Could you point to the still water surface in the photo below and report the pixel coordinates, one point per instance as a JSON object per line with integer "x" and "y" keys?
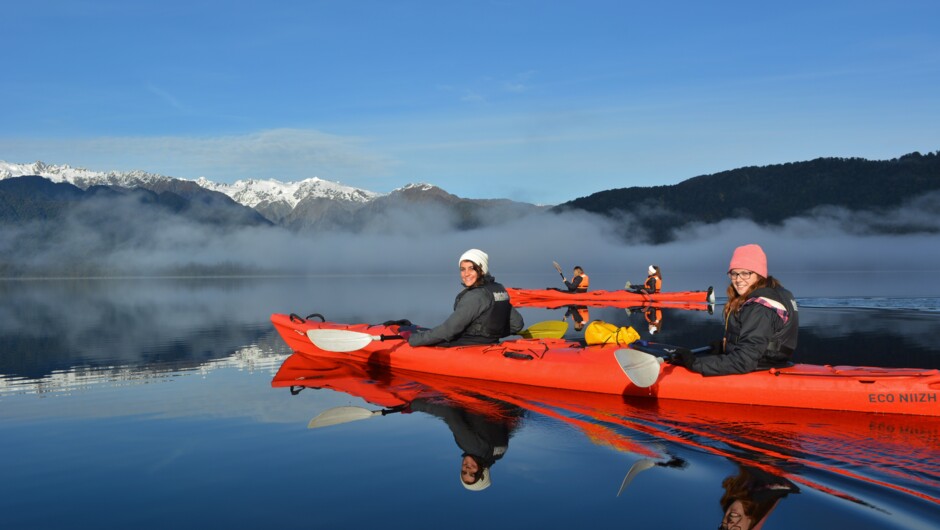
{"x": 159, "y": 403}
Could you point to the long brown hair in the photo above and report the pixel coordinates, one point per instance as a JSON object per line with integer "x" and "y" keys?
{"x": 735, "y": 300}
{"x": 740, "y": 488}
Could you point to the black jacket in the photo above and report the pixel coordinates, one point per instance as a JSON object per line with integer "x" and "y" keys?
{"x": 482, "y": 315}
{"x": 761, "y": 335}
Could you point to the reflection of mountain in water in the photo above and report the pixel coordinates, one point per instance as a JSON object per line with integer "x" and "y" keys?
{"x": 250, "y": 359}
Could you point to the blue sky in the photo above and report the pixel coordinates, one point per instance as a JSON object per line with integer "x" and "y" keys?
{"x": 536, "y": 101}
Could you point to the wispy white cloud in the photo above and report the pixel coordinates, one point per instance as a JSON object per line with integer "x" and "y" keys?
{"x": 165, "y": 96}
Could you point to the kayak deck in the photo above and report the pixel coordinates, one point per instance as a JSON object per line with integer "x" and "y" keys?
{"x": 559, "y": 363}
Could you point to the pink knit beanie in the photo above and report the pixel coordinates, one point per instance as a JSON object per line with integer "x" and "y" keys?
{"x": 751, "y": 258}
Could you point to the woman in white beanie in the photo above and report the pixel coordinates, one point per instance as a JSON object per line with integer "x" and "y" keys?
{"x": 653, "y": 283}
{"x": 482, "y": 311}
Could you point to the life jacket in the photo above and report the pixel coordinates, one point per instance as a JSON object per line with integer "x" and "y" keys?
{"x": 585, "y": 283}
{"x": 578, "y": 312}
{"x": 654, "y": 315}
{"x": 653, "y": 283}
{"x": 782, "y": 344}
{"x": 493, "y": 324}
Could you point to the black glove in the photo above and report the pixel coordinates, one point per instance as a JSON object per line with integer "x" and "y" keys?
{"x": 717, "y": 347}
{"x": 682, "y": 357}
{"x": 674, "y": 462}
{"x": 402, "y": 322}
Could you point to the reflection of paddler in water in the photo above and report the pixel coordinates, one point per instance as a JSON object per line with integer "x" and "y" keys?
{"x": 483, "y": 439}
{"x": 579, "y": 315}
{"x": 654, "y": 319}
{"x": 750, "y": 496}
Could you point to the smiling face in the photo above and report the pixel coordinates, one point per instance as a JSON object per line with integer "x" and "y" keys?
{"x": 742, "y": 280}
{"x": 468, "y": 273}
{"x": 468, "y": 470}
{"x": 734, "y": 518}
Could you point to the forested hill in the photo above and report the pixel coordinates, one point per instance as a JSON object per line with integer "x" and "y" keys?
{"x": 771, "y": 194}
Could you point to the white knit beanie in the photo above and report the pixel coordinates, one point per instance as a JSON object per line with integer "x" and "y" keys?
{"x": 652, "y": 269}
{"x": 477, "y": 256}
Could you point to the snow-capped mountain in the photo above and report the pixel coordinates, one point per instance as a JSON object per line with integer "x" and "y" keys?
{"x": 251, "y": 193}
{"x": 254, "y": 192}
{"x": 82, "y": 178}
{"x": 311, "y": 205}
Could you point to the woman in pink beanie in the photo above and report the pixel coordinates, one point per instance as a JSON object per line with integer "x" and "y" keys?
{"x": 761, "y": 321}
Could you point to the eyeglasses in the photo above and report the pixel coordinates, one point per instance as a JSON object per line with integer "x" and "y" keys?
{"x": 731, "y": 521}
{"x": 744, "y": 275}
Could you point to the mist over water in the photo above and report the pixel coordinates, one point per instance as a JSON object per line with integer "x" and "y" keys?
{"x": 830, "y": 247}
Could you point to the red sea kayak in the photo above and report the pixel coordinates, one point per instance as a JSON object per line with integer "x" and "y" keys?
{"x": 560, "y": 363}
{"x": 533, "y": 297}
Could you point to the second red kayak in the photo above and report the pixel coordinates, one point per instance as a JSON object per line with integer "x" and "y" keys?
{"x": 559, "y": 297}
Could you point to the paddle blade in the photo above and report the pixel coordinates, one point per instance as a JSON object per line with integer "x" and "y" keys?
{"x": 641, "y": 368}
{"x": 337, "y": 415}
{"x": 339, "y": 340}
{"x": 550, "y": 329}
{"x": 635, "y": 469}
{"x": 557, "y": 267}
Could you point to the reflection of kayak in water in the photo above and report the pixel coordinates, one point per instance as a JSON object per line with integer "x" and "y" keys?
{"x": 395, "y": 391}
{"x": 559, "y": 363}
{"x": 897, "y": 452}
{"x": 524, "y": 297}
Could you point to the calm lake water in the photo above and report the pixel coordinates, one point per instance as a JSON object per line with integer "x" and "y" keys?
{"x": 159, "y": 403}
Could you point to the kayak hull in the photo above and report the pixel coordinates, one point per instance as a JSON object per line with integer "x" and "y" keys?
{"x": 534, "y": 297}
{"x": 560, "y": 363}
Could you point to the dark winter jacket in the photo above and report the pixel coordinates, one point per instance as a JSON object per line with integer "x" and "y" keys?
{"x": 761, "y": 335}
{"x": 482, "y": 315}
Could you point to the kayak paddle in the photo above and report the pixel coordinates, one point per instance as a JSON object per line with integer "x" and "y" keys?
{"x": 558, "y": 268}
{"x": 643, "y": 368}
{"x": 342, "y": 340}
{"x": 338, "y": 415}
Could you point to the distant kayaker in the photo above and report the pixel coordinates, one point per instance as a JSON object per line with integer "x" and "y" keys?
{"x": 482, "y": 313}
{"x": 579, "y": 281}
{"x": 653, "y": 283}
{"x": 761, "y": 321}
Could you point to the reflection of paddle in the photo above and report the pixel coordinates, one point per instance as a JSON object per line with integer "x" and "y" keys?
{"x": 344, "y": 340}
{"x": 644, "y": 464}
{"x": 338, "y": 415}
{"x": 635, "y": 469}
